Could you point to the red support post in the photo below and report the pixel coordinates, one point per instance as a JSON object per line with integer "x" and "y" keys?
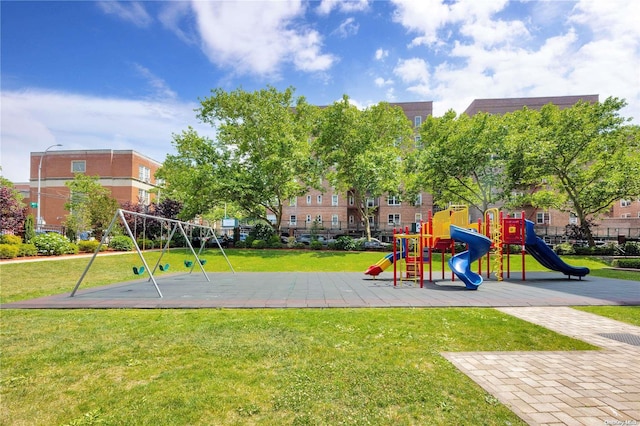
{"x": 395, "y": 262}
{"x": 522, "y": 248}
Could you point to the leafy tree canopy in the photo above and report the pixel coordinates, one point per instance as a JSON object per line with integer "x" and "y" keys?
{"x": 580, "y": 159}
{"x": 90, "y": 205}
{"x": 260, "y": 157}
{"x": 462, "y": 160}
{"x": 362, "y": 150}
{"x": 12, "y": 210}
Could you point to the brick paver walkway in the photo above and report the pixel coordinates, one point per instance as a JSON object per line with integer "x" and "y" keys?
{"x": 564, "y": 388}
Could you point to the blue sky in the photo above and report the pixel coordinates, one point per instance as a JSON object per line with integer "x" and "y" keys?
{"x": 126, "y": 75}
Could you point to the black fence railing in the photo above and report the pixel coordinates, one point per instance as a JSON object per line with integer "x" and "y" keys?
{"x": 384, "y": 231}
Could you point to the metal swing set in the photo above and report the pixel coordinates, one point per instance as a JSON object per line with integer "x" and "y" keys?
{"x": 173, "y": 226}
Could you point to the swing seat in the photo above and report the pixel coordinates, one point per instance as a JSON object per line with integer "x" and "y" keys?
{"x": 164, "y": 267}
{"x": 203, "y": 261}
{"x": 188, "y": 263}
{"x": 138, "y": 271}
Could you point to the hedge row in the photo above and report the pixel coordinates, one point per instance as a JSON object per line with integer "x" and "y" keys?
{"x": 627, "y": 263}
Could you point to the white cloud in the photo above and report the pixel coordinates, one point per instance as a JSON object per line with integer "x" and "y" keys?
{"x": 381, "y": 82}
{"x": 173, "y": 16}
{"x": 133, "y": 12}
{"x": 258, "y": 37}
{"x": 160, "y": 88}
{"x": 424, "y": 17}
{"x": 381, "y": 54}
{"x": 35, "y": 119}
{"x": 590, "y": 49}
{"x": 345, "y": 6}
{"x": 347, "y": 28}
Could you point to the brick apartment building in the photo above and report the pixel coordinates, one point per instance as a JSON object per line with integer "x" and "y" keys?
{"x": 128, "y": 174}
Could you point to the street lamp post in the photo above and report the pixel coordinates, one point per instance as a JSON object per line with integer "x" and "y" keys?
{"x": 39, "y": 218}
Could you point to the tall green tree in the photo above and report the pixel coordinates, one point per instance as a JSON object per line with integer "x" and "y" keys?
{"x": 462, "y": 160}
{"x": 90, "y": 205}
{"x": 363, "y": 150}
{"x": 259, "y": 159}
{"x": 580, "y": 159}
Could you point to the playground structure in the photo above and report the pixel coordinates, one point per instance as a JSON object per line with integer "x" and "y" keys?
{"x": 444, "y": 228}
{"x": 172, "y": 226}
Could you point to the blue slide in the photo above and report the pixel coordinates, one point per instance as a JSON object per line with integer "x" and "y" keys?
{"x": 541, "y": 252}
{"x": 460, "y": 264}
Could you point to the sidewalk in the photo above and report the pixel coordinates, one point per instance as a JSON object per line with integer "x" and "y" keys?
{"x": 565, "y": 388}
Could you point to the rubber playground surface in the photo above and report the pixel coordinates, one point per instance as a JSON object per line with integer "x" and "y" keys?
{"x": 340, "y": 290}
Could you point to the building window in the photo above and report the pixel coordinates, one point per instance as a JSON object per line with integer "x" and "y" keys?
{"x": 293, "y": 220}
{"x": 334, "y": 200}
{"x": 625, "y": 203}
{"x": 143, "y": 197}
{"x": 144, "y": 174}
{"x": 393, "y": 200}
{"x": 394, "y": 219}
{"x": 542, "y": 218}
{"x": 79, "y": 166}
{"x": 334, "y": 220}
{"x": 319, "y": 199}
{"x": 308, "y": 199}
{"x": 293, "y": 201}
{"x": 417, "y": 120}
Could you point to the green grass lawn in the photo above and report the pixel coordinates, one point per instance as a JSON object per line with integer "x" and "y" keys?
{"x": 272, "y": 367}
{"x": 238, "y": 367}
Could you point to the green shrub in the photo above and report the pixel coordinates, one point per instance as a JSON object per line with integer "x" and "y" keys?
{"x": 52, "y": 243}
{"x": 90, "y": 246}
{"x": 262, "y": 231}
{"x": 627, "y": 263}
{"x": 9, "y": 251}
{"x": 631, "y": 248}
{"x": 121, "y": 243}
{"x": 26, "y": 250}
{"x": 10, "y": 239}
{"x": 178, "y": 240}
{"x": 564, "y": 248}
{"x": 584, "y": 251}
{"x": 315, "y": 245}
{"x": 145, "y": 243}
{"x": 258, "y": 244}
{"x": 345, "y": 243}
{"x": 72, "y": 248}
{"x": 29, "y": 231}
{"x": 605, "y": 250}
{"x": 274, "y": 242}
